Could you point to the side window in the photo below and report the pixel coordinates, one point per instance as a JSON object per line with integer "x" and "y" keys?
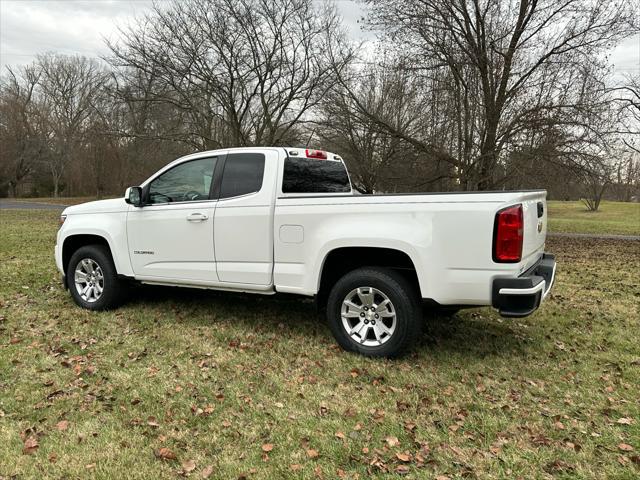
{"x": 187, "y": 182}
{"x": 307, "y": 175}
{"x": 242, "y": 174}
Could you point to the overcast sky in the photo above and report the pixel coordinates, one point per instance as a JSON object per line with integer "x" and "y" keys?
{"x": 30, "y": 27}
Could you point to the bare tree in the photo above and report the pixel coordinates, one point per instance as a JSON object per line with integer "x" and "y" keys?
{"x": 242, "y": 72}
{"x": 22, "y": 142}
{"x": 368, "y": 149}
{"x": 69, "y": 86}
{"x": 499, "y": 54}
{"x": 627, "y": 95}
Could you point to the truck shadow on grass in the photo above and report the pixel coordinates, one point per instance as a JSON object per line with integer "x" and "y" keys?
{"x": 472, "y": 333}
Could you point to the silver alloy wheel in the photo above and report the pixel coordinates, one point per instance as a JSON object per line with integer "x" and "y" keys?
{"x": 89, "y": 280}
{"x": 368, "y": 316}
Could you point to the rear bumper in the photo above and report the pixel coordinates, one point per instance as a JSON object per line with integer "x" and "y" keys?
{"x": 521, "y": 296}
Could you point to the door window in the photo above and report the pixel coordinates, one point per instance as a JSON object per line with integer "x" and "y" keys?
{"x": 187, "y": 182}
{"x": 243, "y": 173}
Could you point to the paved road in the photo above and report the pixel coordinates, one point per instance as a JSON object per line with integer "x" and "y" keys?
{"x": 600, "y": 236}
{"x": 11, "y": 205}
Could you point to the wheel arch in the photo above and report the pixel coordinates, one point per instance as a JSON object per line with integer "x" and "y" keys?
{"x": 73, "y": 242}
{"x": 341, "y": 260}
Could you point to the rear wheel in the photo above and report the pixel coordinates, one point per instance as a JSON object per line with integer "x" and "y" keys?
{"x": 375, "y": 312}
{"x": 92, "y": 279}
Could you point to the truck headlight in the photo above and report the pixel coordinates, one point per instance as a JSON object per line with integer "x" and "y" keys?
{"x": 62, "y": 219}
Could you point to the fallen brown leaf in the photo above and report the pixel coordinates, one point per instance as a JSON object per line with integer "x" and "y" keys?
{"x": 311, "y": 453}
{"x": 188, "y": 466}
{"x": 625, "y": 447}
{"x": 207, "y": 471}
{"x": 392, "y": 441}
{"x": 30, "y": 445}
{"x": 625, "y": 421}
{"x": 165, "y": 454}
{"x": 409, "y": 426}
{"x": 62, "y": 425}
{"x": 267, "y": 447}
{"x": 403, "y": 457}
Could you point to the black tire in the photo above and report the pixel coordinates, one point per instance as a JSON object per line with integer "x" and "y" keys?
{"x": 113, "y": 289}
{"x": 404, "y": 298}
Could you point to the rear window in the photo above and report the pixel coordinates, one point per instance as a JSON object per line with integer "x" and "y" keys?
{"x": 304, "y": 175}
{"x": 243, "y": 174}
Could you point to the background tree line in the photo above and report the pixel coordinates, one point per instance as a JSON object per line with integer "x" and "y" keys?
{"x": 456, "y": 95}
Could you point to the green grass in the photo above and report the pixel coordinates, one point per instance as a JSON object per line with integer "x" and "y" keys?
{"x": 616, "y": 218}
{"x": 215, "y": 376}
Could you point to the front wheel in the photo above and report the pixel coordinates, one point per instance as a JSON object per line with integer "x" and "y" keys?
{"x": 92, "y": 279}
{"x": 375, "y": 312}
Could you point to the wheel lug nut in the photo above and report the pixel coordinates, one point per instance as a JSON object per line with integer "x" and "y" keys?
{"x": 362, "y": 314}
{"x": 373, "y": 322}
{"x": 366, "y": 308}
{"x": 377, "y": 315}
{"x": 366, "y": 321}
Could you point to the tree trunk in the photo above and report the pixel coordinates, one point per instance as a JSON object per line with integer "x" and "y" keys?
{"x": 13, "y": 189}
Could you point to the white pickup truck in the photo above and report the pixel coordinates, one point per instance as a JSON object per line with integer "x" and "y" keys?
{"x": 267, "y": 220}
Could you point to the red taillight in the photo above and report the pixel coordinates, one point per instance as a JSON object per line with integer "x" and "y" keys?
{"x": 507, "y": 237}
{"x": 319, "y": 154}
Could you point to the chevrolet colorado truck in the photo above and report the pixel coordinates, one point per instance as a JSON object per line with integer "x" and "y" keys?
{"x": 267, "y": 220}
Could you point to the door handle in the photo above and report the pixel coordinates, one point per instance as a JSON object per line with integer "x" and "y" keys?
{"x": 197, "y": 217}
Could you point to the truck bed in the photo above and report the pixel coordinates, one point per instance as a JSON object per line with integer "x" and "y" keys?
{"x": 448, "y": 237}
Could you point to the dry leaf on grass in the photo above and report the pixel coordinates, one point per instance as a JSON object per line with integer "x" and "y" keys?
{"x": 392, "y": 441}
{"x": 403, "y": 457}
{"x": 188, "y": 466}
{"x": 30, "y": 445}
{"x": 207, "y": 471}
{"x": 62, "y": 425}
{"x": 165, "y": 454}
{"x": 625, "y": 421}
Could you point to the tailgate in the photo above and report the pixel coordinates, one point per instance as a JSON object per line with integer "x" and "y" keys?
{"x": 534, "y": 210}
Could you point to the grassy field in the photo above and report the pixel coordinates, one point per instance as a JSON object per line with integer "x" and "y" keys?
{"x": 205, "y": 384}
{"x": 611, "y": 218}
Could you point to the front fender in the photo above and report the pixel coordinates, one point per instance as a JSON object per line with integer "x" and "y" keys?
{"x": 110, "y": 226}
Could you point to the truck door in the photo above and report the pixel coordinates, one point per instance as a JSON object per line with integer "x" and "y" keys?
{"x": 171, "y": 238}
{"x": 243, "y": 227}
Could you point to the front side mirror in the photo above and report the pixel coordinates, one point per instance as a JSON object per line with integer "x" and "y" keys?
{"x": 133, "y": 196}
